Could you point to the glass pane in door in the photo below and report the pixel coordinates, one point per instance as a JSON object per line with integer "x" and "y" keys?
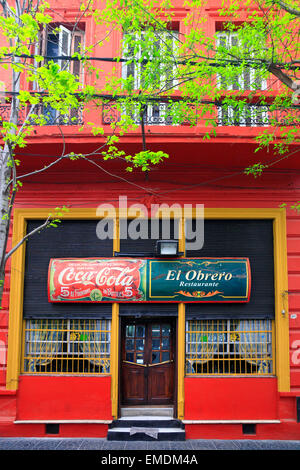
{"x": 135, "y": 343}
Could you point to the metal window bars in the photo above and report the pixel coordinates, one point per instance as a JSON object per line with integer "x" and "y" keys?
{"x": 75, "y": 346}
{"x": 229, "y": 347}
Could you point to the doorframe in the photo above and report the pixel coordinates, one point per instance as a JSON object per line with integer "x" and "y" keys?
{"x": 147, "y": 318}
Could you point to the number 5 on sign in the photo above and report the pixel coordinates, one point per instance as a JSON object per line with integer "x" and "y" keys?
{"x": 64, "y": 292}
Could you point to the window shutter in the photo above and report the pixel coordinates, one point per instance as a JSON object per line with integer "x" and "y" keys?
{"x": 77, "y": 46}
{"x": 42, "y": 46}
{"x": 64, "y": 46}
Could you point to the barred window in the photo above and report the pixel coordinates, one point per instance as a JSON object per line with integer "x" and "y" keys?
{"x": 73, "y": 346}
{"x": 219, "y": 347}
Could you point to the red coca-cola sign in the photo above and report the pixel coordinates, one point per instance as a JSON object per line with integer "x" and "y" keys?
{"x": 96, "y": 280}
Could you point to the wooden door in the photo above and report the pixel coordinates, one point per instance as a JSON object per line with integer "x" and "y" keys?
{"x": 147, "y": 376}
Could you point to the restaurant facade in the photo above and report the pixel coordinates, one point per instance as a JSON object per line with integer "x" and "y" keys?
{"x": 176, "y": 289}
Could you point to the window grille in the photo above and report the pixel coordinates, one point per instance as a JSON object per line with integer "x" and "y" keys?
{"x": 74, "y": 346}
{"x": 249, "y": 78}
{"x": 229, "y": 347}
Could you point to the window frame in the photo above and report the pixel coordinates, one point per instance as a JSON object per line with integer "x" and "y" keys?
{"x": 162, "y": 118}
{"x": 234, "y": 353}
{"x": 62, "y": 353}
{"x": 229, "y": 36}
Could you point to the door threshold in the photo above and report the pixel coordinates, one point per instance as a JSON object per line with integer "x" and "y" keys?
{"x": 144, "y": 410}
{"x": 147, "y": 406}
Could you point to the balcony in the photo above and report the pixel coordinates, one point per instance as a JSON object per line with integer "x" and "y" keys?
{"x": 252, "y": 115}
{"x": 156, "y": 114}
{"x": 52, "y": 117}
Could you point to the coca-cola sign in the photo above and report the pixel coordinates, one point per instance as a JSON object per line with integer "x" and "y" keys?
{"x": 146, "y": 280}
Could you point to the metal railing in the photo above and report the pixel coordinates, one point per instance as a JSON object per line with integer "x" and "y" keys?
{"x": 229, "y": 347}
{"x": 52, "y": 117}
{"x": 67, "y": 346}
{"x": 250, "y": 115}
{"x": 159, "y": 114}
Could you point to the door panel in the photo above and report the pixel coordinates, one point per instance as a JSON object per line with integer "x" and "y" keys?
{"x": 160, "y": 384}
{"x": 147, "y": 362}
{"x": 134, "y": 385}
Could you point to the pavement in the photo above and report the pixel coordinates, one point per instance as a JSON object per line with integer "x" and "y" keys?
{"x": 190, "y": 446}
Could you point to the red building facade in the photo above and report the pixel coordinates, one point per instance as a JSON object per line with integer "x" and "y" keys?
{"x": 225, "y": 370}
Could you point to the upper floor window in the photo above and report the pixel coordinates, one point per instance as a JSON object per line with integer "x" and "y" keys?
{"x": 151, "y": 59}
{"x": 247, "y": 78}
{"x": 62, "y": 40}
{"x": 151, "y": 66}
{"x": 56, "y": 42}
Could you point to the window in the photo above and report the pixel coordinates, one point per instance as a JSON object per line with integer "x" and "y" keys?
{"x": 73, "y": 346}
{"x": 249, "y": 78}
{"x": 56, "y": 42}
{"x": 63, "y": 40}
{"x": 151, "y": 58}
{"x": 229, "y": 347}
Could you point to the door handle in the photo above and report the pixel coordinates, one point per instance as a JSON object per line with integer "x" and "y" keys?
{"x": 159, "y": 363}
{"x": 135, "y": 364}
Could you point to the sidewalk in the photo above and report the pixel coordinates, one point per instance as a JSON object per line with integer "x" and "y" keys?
{"x": 46, "y": 444}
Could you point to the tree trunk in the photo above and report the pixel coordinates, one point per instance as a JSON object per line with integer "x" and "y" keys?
{"x": 5, "y": 176}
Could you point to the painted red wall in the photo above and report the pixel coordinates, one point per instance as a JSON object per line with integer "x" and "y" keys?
{"x": 230, "y": 398}
{"x": 64, "y": 398}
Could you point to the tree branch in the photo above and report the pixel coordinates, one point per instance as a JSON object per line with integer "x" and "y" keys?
{"x": 283, "y": 77}
{"x": 287, "y": 8}
{"x": 41, "y": 227}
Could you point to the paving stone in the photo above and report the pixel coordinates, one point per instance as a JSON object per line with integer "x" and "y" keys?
{"x": 278, "y": 445}
{"x": 47, "y": 444}
{"x": 136, "y": 445}
{"x": 180, "y": 445}
{"x": 203, "y": 444}
{"x": 69, "y": 444}
{"x": 92, "y": 444}
{"x": 225, "y": 445}
{"x": 114, "y": 445}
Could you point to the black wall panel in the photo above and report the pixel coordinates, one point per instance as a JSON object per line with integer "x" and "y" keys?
{"x": 146, "y": 246}
{"x": 240, "y": 238}
{"x": 71, "y": 239}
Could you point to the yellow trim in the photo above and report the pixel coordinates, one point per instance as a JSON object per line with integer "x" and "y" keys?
{"x": 181, "y": 360}
{"x": 281, "y": 302}
{"x": 14, "y": 352}
{"x": 114, "y": 360}
{"x": 280, "y": 278}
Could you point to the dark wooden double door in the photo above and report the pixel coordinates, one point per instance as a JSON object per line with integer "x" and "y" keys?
{"x": 147, "y": 371}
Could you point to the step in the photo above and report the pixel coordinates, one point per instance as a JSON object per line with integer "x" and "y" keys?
{"x": 146, "y": 434}
{"x": 146, "y": 421}
{"x": 147, "y": 411}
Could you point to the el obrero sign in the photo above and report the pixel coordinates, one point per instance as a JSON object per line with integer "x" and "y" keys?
{"x": 146, "y": 280}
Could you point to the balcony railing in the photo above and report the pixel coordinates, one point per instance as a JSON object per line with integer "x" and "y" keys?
{"x": 52, "y": 116}
{"x": 251, "y": 115}
{"x": 158, "y": 114}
